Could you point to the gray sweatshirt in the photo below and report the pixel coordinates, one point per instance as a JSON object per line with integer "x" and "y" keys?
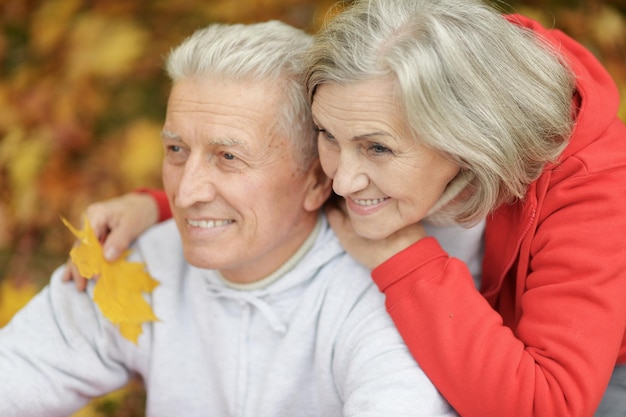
{"x": 317, "y": 341}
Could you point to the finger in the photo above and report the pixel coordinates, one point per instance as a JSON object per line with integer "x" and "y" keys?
{"x": 67, "y": 272}
{"x": 117, "y": 241}
{"x": 80, "y": 283}
{"x": 337, "y": 216}
{"x": 100, "y": 219}
{"x": 71, "y": 273}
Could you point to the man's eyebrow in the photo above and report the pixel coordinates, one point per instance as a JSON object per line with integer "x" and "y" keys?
{"x": 168, "y": 134}
{"x": 226, "y": 141}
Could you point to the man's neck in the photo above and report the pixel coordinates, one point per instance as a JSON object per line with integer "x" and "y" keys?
{"x": 283, "y": 269}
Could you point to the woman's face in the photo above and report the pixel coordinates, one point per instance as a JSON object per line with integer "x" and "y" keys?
{"x": 388, "y": 179}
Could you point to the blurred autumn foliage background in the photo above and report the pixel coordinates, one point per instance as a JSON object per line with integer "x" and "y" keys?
{"x": 82, "y": 98}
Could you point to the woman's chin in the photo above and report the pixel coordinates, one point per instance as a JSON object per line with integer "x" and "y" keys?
{"x": 372, "y": 232}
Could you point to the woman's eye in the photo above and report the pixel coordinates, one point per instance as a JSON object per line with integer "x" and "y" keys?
{"x": 326, "y": 134}
{"x": 379, "y": 149}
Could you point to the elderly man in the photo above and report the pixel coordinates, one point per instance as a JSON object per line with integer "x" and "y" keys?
{"x": 261, "y": 311}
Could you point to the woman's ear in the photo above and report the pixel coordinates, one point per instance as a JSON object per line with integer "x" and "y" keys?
{"x": 319, "y": 187}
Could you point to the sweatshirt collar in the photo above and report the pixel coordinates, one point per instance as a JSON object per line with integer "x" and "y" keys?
{"x": 283, "y": 269}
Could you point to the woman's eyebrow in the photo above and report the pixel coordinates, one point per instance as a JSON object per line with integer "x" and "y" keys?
{"x": 369, "y": 136}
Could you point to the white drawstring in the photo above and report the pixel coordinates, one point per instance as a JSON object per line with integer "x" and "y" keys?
{"x": 253, "y": 299}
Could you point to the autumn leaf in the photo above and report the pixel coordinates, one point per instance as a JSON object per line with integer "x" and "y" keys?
{"x": 13, "y": 298}
{"x": 119, "y": 290}
{"x": 104, "y": 46}
{"x": 140, "y": 160}
{"x": 50, "y": 22}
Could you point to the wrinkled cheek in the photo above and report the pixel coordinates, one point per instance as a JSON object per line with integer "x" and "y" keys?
{"x": 329, "y": 160}
{"x": 166, "y": 176}
{"x": 170, "y": 183}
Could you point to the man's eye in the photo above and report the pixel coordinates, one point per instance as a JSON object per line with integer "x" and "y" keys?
{"x": 229, "y": 156}
{"x": 176, "y": 154}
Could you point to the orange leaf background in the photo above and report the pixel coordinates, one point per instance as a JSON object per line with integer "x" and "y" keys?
{"x": 82, "y": 97}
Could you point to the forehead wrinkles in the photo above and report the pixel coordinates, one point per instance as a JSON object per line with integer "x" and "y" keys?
{"x": 262, "y": 148}
{"x": 342, "y": 104}
{"x": 364, "y": 108}
{"x": 232, "y": 120}
{"x": 222, "y": 98}
{"x": 243, "y": 110}
{"x": 357, "y": 125}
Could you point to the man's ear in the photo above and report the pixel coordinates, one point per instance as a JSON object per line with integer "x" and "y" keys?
{"x": 319, "y": 187}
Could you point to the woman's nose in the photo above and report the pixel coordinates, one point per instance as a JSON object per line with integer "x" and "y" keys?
{"x": 350, "y": 177}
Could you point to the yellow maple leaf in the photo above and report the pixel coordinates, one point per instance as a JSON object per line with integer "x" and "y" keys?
{"x": 120, "y": 286}
{"x": 13, "y": 298}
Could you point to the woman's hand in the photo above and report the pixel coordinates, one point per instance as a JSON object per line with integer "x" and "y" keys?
{"x": 368, "y": 252}
{"x": 116, "y": 222}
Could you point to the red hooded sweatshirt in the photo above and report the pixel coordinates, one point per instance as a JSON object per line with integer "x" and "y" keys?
{"x": 547, "y": 328}
{"x": 543, "y": 335}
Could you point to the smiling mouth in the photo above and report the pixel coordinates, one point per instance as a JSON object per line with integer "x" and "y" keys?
{"x": 208, "y": 224}
{"x": 366, "y": 203}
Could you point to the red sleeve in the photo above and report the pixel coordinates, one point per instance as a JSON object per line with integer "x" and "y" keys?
{"x": 161, "y": 199}
{"x": 447, "y": 324}
{"x": 557, "y": 356}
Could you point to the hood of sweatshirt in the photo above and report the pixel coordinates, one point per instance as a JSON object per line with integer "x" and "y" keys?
{"x": 598, "y": 96}
{"x": 292, "y": 278}
{"x": 161, "y": 249}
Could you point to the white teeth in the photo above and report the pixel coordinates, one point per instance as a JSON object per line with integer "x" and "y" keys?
{"x": 208, "y": 224}
{"x": 369, "y": 202}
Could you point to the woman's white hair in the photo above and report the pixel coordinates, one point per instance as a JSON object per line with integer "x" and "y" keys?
{"x": 271, "y": 51}
{"x": 491, "y": 96}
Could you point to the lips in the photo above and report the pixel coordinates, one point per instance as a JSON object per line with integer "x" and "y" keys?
{"x": 366, "y": 206}
{"x": 209, "y": 224}
{"x": 368, "y": 202}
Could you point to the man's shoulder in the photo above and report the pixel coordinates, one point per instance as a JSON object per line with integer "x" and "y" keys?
{"x": 160, "y": 248}
{"x": 352, "y": 271}
{"x": 350, "y": 286}
{"x": 164, "y": 230}
{"x": 342, "y": 270}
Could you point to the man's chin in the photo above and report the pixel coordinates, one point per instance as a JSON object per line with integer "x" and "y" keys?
{"x": 204, "y": 258}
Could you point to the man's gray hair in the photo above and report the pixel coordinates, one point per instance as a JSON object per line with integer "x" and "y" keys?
{"x": 269, "y": 51}
{"x": 490, "y": 95}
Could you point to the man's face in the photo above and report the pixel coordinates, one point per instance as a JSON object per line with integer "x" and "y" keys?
{"x": 236, "y": 191}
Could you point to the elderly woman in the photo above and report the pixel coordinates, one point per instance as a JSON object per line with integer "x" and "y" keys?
{"x": 447, "y": 111}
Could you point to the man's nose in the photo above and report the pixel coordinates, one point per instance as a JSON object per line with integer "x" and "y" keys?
{"x": 197, "y": 184}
